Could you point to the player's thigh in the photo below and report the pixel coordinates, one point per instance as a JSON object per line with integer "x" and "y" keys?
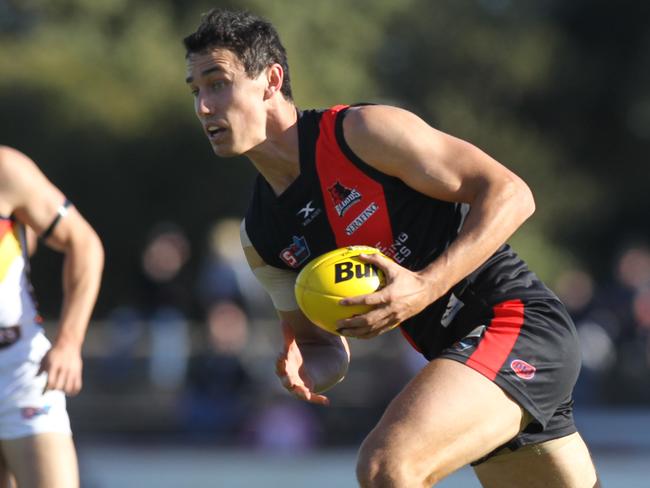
{"x": 6, "y": 480}
{"x": 46, "y": 460}
{"x": 447, "y": 416}
{"x": 558, "y": 463}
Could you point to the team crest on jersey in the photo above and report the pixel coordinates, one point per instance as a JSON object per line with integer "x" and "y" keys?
{"x": 297, "y": 252}
{"x": 343, "y": 197}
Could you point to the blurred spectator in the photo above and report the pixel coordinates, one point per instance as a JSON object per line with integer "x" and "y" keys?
{"x": 630, "y": 382}
{"x": 225, "y": 274}
{"x": 123, "y": 335}
{"x": 614, "y": 331}
{"x": 633, "y": 267}
{"x": 217, "y": 398}
{"x": 218, "y": 279}
{"x": 167, "y": 303}
{"x": 575, "y": 288}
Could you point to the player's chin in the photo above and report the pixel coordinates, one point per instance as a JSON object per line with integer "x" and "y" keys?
{"x": 225, "y": 149}
{"x": 224, "y": 152}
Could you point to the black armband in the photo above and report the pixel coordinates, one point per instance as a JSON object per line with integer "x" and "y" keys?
{"x": 61, "y": 212}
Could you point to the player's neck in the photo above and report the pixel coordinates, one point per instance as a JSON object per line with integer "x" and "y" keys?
{"x": 278, "y": 157}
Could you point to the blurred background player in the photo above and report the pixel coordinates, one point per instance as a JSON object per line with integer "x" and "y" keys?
{"x": 36, "y": 447}
{"x": 503, "y": 351}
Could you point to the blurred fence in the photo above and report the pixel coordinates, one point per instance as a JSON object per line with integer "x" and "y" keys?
{"x": 235, "y": 400}
{"x": 227, "y": 399}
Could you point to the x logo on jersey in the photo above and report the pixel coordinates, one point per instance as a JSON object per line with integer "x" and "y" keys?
{"x": 307, "y": 210}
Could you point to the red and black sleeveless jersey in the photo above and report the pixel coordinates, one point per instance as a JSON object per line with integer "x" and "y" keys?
{"x": 338, "y": 200}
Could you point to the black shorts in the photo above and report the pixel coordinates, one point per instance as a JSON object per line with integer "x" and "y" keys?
{"x": 529, "y": 348}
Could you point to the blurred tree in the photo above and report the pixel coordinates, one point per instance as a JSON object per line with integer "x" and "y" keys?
{"x": 94, "y": 91}
{"x": 558, "y": 91}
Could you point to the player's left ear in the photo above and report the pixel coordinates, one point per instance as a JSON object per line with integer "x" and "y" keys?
{"x": 274, "y": 79}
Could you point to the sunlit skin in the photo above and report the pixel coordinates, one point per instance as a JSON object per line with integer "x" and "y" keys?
{"x": 227, "y": 100}
{"x": 48, "y": 458}
{"x": 247, "y": 116}
{"x": 244, "y": 115}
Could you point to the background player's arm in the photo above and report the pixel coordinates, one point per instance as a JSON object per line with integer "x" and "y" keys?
{"x": 399, "y": 143}
{"x": 312, "y": 360}
{"x": 36, "y": 202}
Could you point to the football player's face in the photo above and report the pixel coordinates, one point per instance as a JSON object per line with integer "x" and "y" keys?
{"x": 228, "y": 103}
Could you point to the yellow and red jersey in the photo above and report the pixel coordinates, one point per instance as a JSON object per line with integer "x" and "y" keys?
{"x": 17, "y": 306}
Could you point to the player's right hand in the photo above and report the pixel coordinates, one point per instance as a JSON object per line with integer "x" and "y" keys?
{"x": 290, "y": 369}
{"x": 63, "y": 365}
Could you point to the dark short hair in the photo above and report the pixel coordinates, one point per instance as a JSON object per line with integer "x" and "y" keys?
{"x": 252, "y": 39}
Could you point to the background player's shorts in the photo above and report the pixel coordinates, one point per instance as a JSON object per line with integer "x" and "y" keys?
{"x": 530, "y": 349}
{"x": 24, "y": 409}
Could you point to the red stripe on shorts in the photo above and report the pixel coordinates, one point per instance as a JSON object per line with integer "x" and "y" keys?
{"x": 499, "y": 338}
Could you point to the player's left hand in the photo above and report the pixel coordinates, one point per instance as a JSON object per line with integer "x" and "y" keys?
{"x": 406, "y": 293}
{"x": 63, "y": 365}
{"x": 291, "y": 369}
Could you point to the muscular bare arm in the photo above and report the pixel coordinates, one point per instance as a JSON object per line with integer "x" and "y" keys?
{"x": 35, "y": 201}
{"x": 400, "y": 144}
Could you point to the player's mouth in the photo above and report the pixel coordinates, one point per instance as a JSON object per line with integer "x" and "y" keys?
{"x": 215, "y": 132}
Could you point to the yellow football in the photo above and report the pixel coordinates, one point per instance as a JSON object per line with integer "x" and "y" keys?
{"x": 335, "y": 275}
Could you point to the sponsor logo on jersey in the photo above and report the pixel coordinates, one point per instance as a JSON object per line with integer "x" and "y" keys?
{"x": 361, "y": 219}
{"x": 31, "y": 412}
{"x": 398, "y": 250}
{"x": 308, "y": 213}
{"x": 522, "y": 369}
{"x": 343, "y": 197}
{"x": 297, "y": 252}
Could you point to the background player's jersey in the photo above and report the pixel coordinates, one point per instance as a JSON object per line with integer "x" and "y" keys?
{"x": 16, "y": 302}
{"x": 339, "y": 200}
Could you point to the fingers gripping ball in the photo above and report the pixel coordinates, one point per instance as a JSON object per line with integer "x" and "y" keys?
{"x": 333, "y": 276}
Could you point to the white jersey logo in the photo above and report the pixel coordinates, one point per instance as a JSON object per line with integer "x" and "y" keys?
{"x": 308, "y": 213}
{"x": 453, "y": 307}
{"x": 307, "y": 210}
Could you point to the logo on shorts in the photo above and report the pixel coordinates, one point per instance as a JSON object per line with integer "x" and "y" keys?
{"x": 343, "y": 197}
{"x": 31, "y": 412}
{"x": 522, "y": 369}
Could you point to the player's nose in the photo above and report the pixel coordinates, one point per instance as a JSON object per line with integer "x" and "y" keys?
{"x": 203, "y": 106}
